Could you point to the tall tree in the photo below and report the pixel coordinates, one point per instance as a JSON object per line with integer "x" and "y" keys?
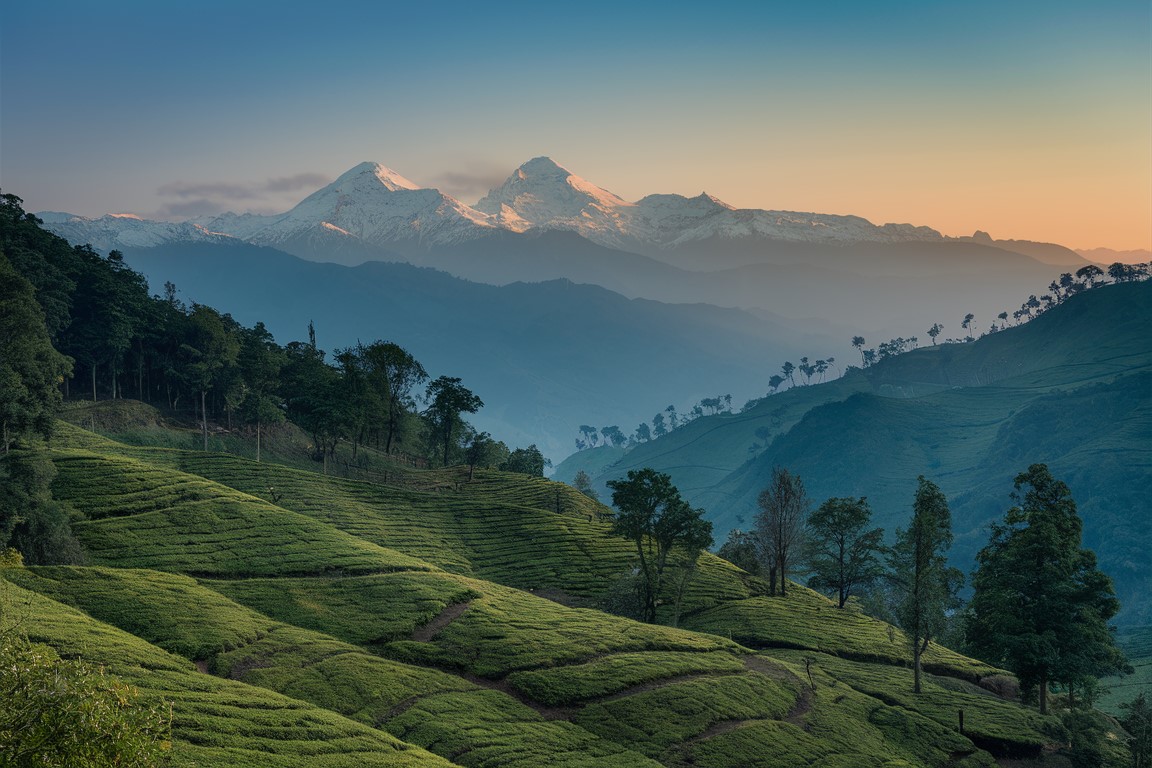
{"x": 925, "y": 584}
{"x": 858, "y": 342}
{"x": 652, "y": 515}
{"x": 211, "y": 347}
{"x": 260, "y": 360}
{"x": 934, "y": 331}
{"x": 780, "y": 524}
{"x": 843, "y": 553}
{"x": 448, "y": 398}
{"x": 1040, "y": 607}
{"x": 583, "y": 483}
{"x": 30, "y": 368}
{"x": 401, "y": 373}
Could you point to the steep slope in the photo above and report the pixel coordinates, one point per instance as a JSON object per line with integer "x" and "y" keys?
{"x": 1072, "y": 389}
{"x": 479, "y": 673}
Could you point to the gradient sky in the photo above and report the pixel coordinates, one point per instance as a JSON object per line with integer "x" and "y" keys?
{"x": 1029, "y": 120}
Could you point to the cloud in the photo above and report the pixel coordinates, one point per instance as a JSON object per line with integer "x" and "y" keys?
{"x": 186, "y": 199}
{"x": 299, "y": 181}
{"x": 470, "y": 184}
{"x": 188, "y": 208}
{"x": 185, "y": 190}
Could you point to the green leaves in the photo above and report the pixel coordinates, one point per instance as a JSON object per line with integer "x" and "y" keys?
{"x": 652, "y": 515}
{"x": 1040, "y": 606}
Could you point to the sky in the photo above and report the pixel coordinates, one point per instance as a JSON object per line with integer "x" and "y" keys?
{"x": 1028, "y": 120}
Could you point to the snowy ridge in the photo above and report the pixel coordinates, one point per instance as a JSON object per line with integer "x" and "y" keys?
{"x": 119, "y": 231}
{"x": 371, "y": 208}
{"x": 370, "y": 203}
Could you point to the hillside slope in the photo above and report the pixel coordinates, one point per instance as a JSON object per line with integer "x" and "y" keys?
{"x": 397, "y": 623}
{"x": 1072, "y": 389}
{"x": 544, "y": 357}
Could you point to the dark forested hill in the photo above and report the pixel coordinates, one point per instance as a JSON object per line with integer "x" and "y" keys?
{"x": 1072, "y": 389}
{"x": 544, "y": 357}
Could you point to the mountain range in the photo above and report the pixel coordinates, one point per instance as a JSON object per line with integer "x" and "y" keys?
{"x": 805, "y": 283}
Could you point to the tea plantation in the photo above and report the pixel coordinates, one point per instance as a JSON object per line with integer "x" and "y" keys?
{"x": 294, "y": 619}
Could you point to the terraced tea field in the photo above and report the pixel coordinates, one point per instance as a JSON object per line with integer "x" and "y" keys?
{"x": 295, "y": 619}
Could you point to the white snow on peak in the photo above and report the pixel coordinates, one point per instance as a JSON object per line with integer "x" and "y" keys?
{"x": 542, "y": 193}
{"x": 117, "y": 231}
{"x": 370, "y": 203}
{"x": 383, "y": 174}
{"x": 373, "y": 205}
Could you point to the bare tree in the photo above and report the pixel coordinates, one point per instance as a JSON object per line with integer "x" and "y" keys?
{"x": 780, "y": 524}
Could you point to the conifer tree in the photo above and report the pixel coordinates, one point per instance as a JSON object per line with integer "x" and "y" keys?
{"x": 1040, "y": 606}
{"x": 919, "y": 570}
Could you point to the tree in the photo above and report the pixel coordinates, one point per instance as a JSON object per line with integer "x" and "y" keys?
{"x": 211, "y": 346}
{"x": 1040, "y": 607}
{"x": 399, "y": 372}
{"x": 925, "y": 585}
{"x": 31, "y": 520}
{"x": 591, "y": 435}
{"x": 479, "y": 451}
{"x": 583, "y": 483}
{"x": 775, "y": 381}
{"x": 1137, "y": 720}
{"x": 613, "y": 435}
{"x": 73, "y": 714}
{"x": 30, "y": 368}
{"x": 652, "y": 515}
{"x": 858, "y": 342}
{"x": 966, "y": 324}
{"x": 447, "y": 399}
{"x": 780, "y": 524}
{"x": 787, "y": 370}
{"x": 842, "y": 553}
{"x": 526, "y": 461}
{"x": 260, "y": 360}
{"x": 934, "y": 331}
{"x": 643, "y": 432}
{"x": 740, "y": 550}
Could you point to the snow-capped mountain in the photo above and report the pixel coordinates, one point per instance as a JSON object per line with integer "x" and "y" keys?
{"x": 372, "y": 212}
{"x": 548, "y": 196}
{"x": 120, "y": 231}
{"x": 370, "y": 205}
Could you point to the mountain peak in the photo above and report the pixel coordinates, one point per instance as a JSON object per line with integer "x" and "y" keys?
{"x": 387, "y": 177}
{"x": 542, "y": 166}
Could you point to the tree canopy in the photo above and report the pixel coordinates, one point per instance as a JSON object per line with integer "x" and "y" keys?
{"x": 651, "y": 514}
{"x": 1040, "y": 606}
{"x": 926, "y": 585}
{"x": 843, "y": 554}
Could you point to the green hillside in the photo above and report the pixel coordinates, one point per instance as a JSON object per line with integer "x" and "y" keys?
{"x": 296, "y": 619}
{"x": 1071, "y": 389}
